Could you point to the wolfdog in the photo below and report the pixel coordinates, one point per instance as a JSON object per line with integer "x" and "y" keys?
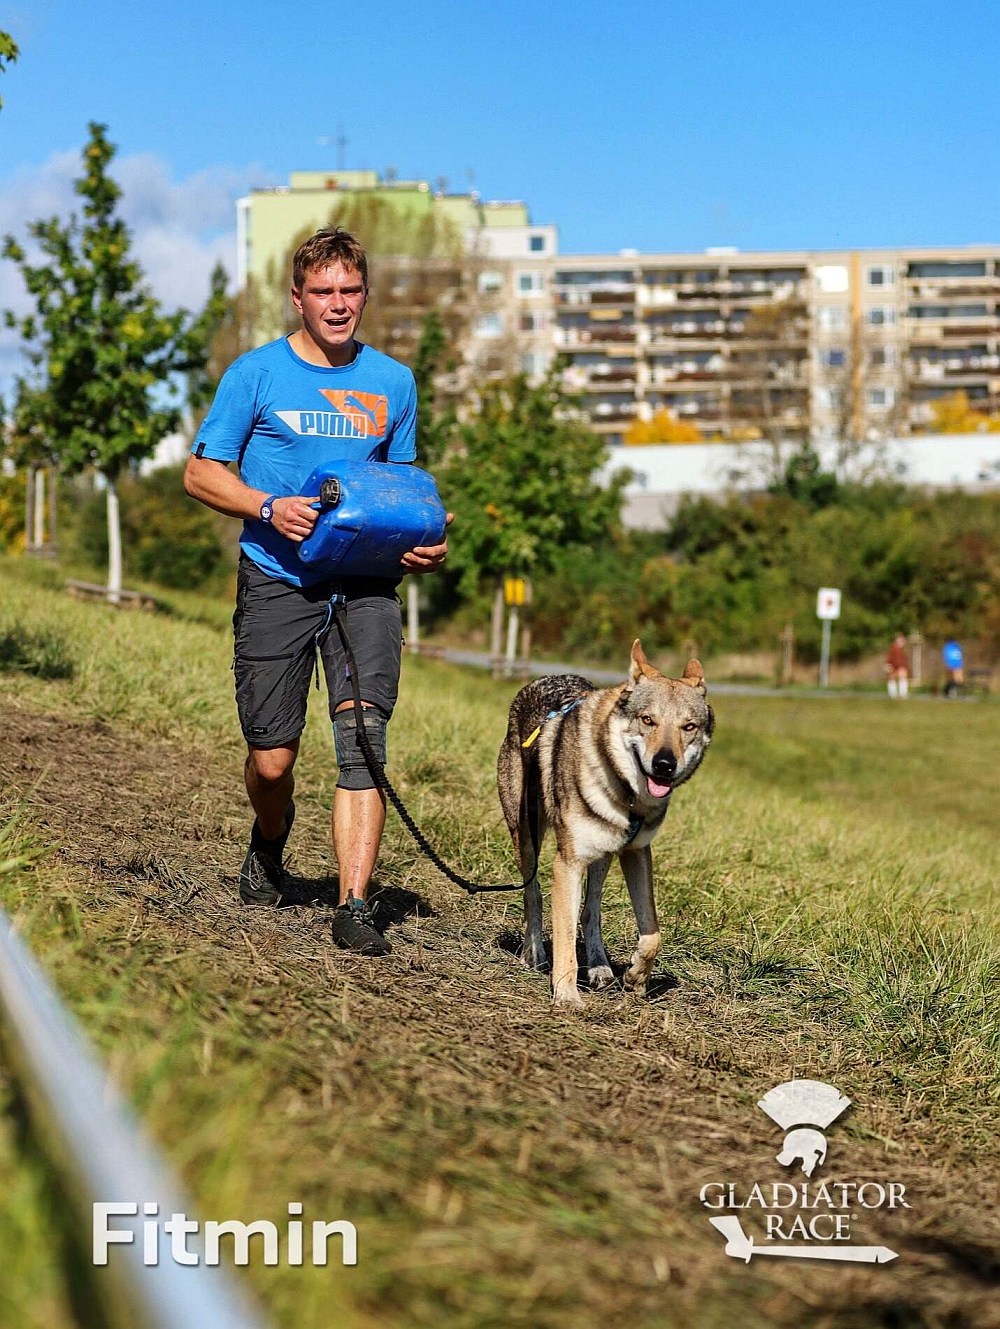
{"x": 598, "y": 765}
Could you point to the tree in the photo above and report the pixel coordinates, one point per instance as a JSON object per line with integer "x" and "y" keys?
{"x": 664, "y": 427}
{"x": 105, "y": 360}
{"x": 955, "y": 414}
{"x": 27, "y": 445}
{"x": 805, "y": 481}
{"x": 857, "y": 425}
{"x": 8, "y": 53}
{"x": 519, "y": 475}
{"x": 434, "y": 425}
{"x": 222, "y": 329}
{"x": 420, "y": 263}
{"x": 769, "y": 394}
{"x": 168, "y": 539}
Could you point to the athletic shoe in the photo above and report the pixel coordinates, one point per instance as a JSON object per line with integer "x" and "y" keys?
{"x": 262, "y": 877}
{"x": 354, "y": 929}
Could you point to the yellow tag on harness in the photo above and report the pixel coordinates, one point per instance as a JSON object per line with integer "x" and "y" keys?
{"x": 552, "y": 715}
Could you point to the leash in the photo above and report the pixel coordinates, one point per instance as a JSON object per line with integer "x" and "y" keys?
{"x": 377, "y": 770}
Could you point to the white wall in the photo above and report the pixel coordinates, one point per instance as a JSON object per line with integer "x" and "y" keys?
{"x": 664, "y": 472}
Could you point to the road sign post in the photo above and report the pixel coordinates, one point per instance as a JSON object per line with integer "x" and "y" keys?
{"x": 827, "y": 609}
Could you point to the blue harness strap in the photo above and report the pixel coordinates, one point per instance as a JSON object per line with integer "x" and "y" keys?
{"x": 552, "y": 715}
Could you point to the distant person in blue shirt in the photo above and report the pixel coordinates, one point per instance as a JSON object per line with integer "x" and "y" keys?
{"x": 314, "y": 396}
{"x": 954, "y": 663}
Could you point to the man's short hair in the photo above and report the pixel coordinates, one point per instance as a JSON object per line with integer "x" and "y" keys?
{"x": 330, "y": 244}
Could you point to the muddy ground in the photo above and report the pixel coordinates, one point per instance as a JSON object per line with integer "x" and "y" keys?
{"x": 654, "y": 1097}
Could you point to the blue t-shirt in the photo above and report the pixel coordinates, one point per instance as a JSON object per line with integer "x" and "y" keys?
{"x": 280, "y": 417}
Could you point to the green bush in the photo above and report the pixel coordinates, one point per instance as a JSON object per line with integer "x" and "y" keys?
{"x": 731, "y": 575}
{"x": 166, "y": 536}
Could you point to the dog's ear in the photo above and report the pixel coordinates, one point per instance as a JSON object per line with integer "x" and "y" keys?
{"x": 639, "y": 665}
{"x": 694, "y": 676}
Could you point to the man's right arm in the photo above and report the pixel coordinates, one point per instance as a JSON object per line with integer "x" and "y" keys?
{"x": 218, "y": 487}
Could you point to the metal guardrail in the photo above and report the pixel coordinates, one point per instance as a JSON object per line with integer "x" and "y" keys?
{"x": 99, "y": 1155}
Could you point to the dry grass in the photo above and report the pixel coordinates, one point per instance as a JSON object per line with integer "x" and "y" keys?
{"x": 827, "y": 897}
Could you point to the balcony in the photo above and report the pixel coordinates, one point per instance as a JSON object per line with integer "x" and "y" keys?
{"x": 953, "y": 290}
{"x": 940, "y": 370}
{"x": 662, "y": 329}
{"x": 577, "y": 297}
{"x": 580, "y": 334}
{"x": 979, "y": 312}
{"x": 606, "y": 412}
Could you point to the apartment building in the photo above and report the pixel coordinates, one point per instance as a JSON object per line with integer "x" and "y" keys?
{"x": 270, "y": 222}
{"x": 850, "y": 345}
{"x": 853, "y": 344}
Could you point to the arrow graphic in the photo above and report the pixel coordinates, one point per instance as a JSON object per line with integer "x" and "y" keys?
{"x": 741, "y": 1247}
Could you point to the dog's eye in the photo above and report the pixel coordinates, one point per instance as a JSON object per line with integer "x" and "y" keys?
{"x": 690, "y": 727}
{"x": 647, "y": 720}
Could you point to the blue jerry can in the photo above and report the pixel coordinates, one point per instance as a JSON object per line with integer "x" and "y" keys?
{"x": 371, "y": 514}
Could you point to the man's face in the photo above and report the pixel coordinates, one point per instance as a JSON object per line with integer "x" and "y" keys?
{"x": 331, "y": 302}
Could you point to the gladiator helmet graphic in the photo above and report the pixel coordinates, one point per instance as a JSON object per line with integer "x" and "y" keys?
{"x": 804, "y": 1109}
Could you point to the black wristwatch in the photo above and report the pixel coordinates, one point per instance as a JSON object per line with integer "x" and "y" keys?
{"x": 267, "y": 509}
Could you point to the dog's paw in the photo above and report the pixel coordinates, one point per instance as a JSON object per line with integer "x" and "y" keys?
{"x": 600, "y": 975}
{"x": 634, "y": 980}
{"x": 533, "y": 955}
{"x": 568, "y": 998}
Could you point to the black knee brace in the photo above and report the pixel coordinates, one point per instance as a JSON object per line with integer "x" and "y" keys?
{"x": 354, "y": 772}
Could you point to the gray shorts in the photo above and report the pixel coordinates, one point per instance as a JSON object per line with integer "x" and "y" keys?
{"x": 275, "y": 629}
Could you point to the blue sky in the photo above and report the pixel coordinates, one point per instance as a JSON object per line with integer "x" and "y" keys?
{"x": 655, "y": 126}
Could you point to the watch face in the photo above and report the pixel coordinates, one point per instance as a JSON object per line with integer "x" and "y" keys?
{"x": 266, "y": 512}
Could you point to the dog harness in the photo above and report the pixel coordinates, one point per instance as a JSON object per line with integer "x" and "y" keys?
{"x": 636, "y": 820}
{"x": 635, "y": 825}
{"x": 563, "y": 710}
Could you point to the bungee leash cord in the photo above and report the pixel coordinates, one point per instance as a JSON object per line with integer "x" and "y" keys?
{"x": 377, "y": 770}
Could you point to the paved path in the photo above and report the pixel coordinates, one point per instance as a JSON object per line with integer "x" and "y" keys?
{"x": 605, "y": 677}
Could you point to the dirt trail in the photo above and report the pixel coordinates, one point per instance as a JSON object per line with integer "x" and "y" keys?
{"x": 650, "y": 1099}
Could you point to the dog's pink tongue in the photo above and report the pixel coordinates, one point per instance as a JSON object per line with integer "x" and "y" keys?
{"x": 657, "y": 790}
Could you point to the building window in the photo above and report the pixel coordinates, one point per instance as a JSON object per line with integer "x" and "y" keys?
{"x": 489, "y": 325}
{"x": 878, "y": 275}
{"x": 829, "y": 399}
{"x": 536, "y": 244}
{"x": 880, "y": 316}
{"x": 533, "y": 364}
{"x": 832, "y": 278}
{"x": 488, "y": 282}
{"x": 530, "y": 283}
{"x": 947, "y": 269}
{"x": 881, "y": 399}
{"x": 883, "y": 357}
{"x": 949, "y": 311}
{"x": 833, "y": 357}
{"x": 832, "y": 317}
{"x": 531, "y": 322}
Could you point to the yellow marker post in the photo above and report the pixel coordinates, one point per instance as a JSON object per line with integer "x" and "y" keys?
{"x": 515, "y": 592}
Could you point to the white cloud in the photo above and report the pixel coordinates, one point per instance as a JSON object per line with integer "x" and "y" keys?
{"x": 180, "y": 229}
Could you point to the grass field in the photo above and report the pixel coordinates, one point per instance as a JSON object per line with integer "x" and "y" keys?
{"x": 828, "y": 901}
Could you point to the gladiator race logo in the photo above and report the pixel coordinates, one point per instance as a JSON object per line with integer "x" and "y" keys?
{"x": 813, "y": 1220}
